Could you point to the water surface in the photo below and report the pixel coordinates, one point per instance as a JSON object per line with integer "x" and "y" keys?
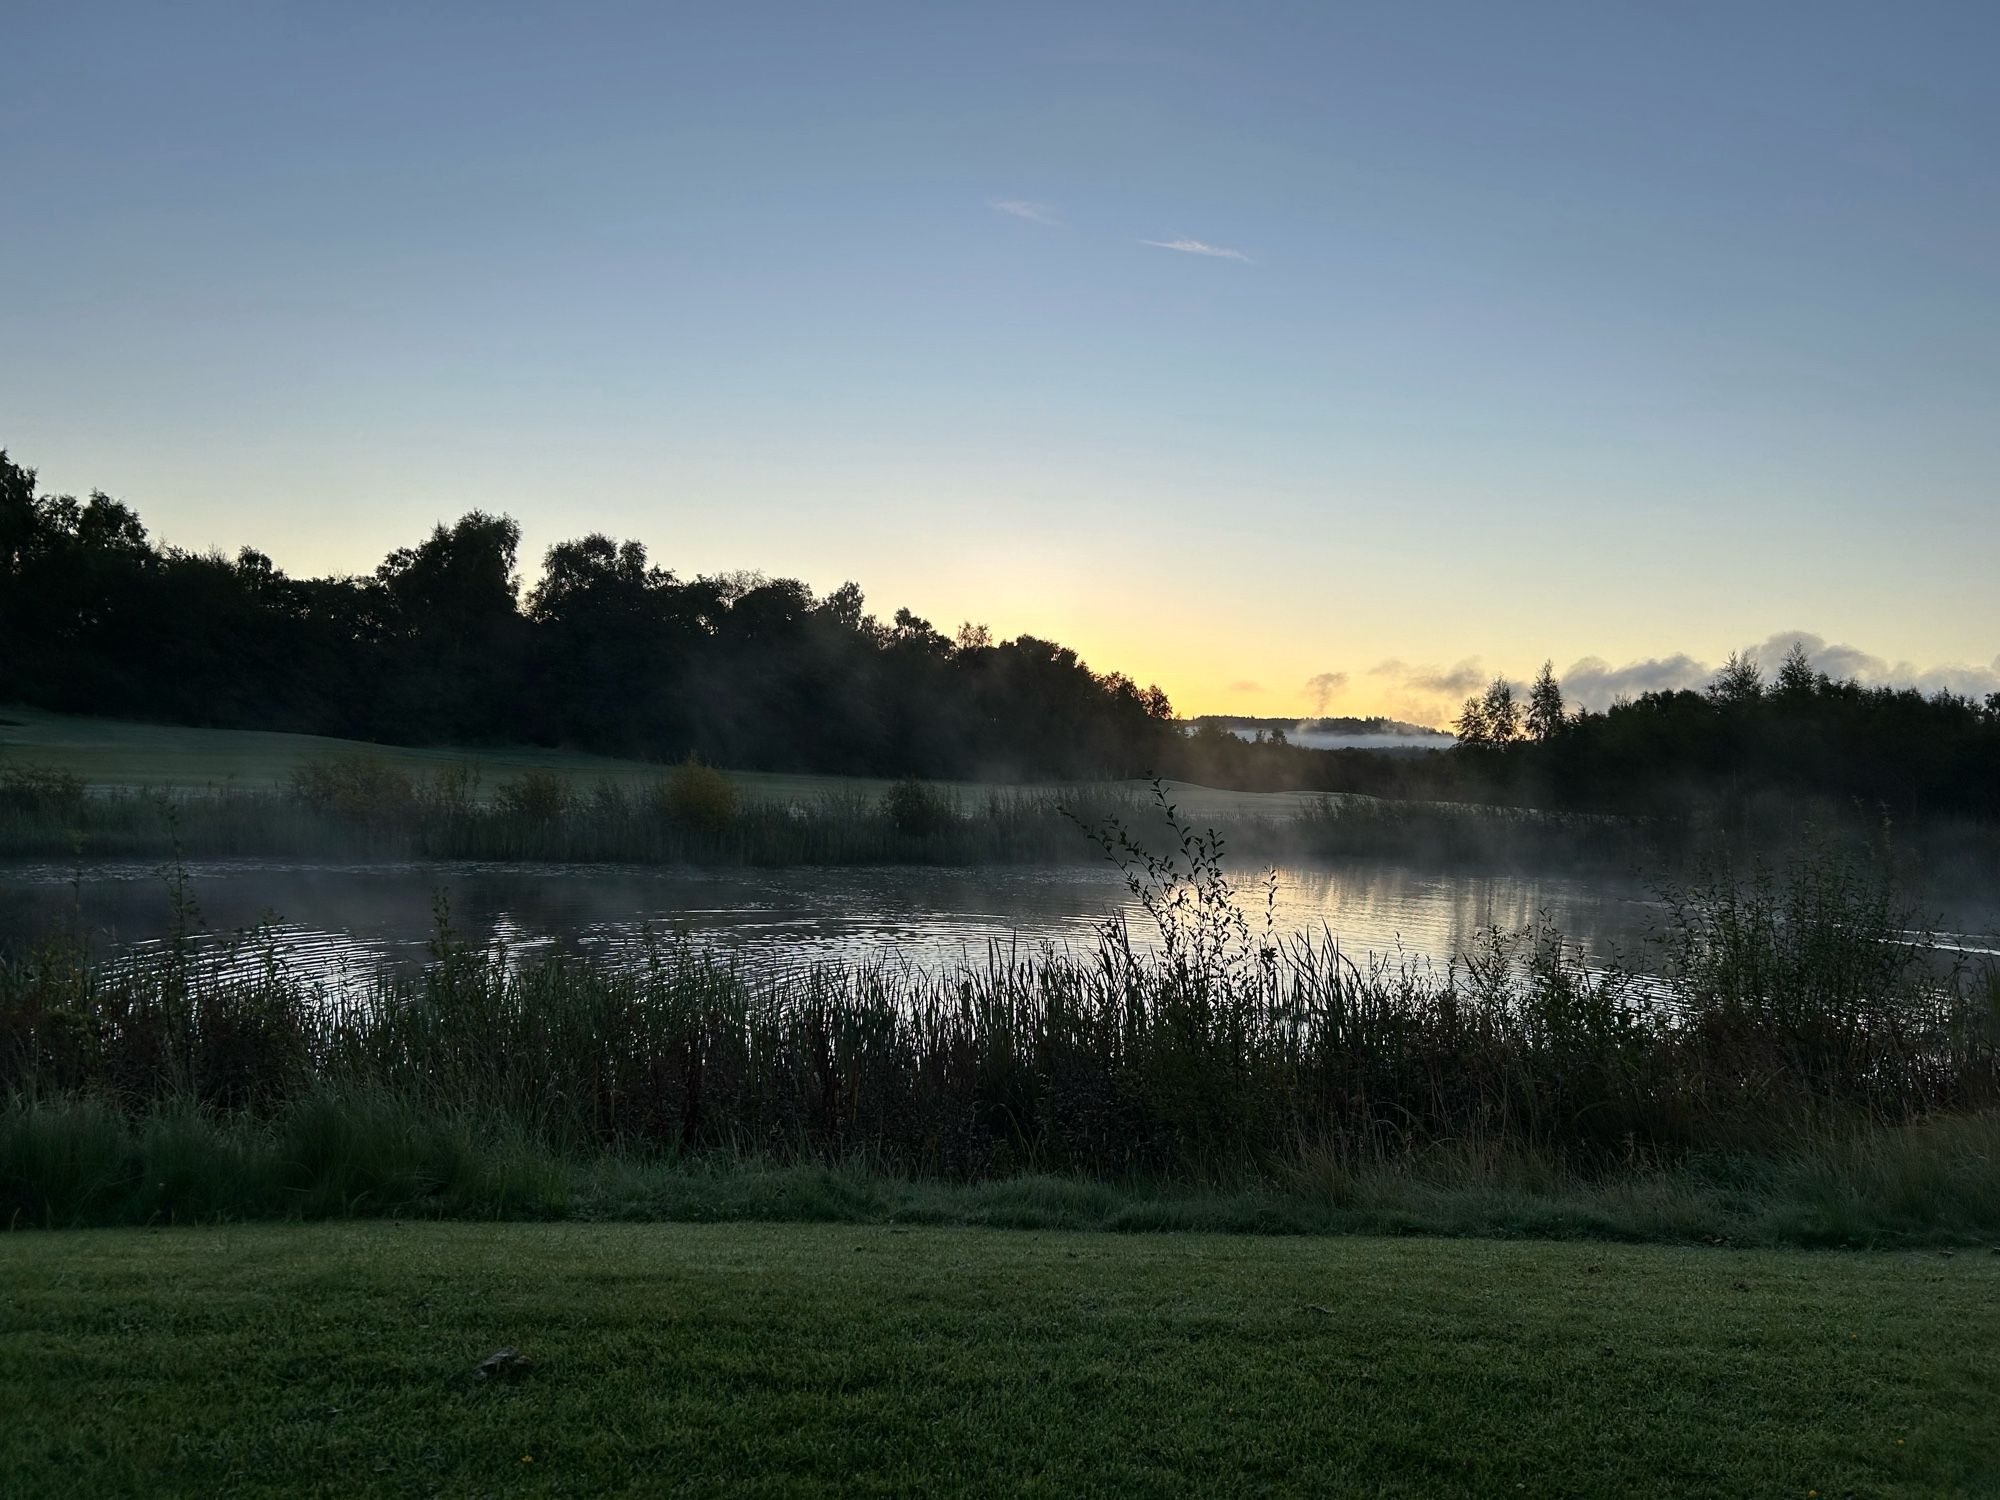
{"x": 325, "y": 918}
{"x": 328, "y": 921}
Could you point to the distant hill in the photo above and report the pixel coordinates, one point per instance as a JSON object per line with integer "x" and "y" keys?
{"x": 1374, "y": 733}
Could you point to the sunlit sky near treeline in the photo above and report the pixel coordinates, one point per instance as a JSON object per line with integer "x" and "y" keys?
{"x": 1244, "y": 348}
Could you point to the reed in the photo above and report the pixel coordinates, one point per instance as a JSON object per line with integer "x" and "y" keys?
{"x": 363, "y": 807}
{"x": 1794, "y": 1008}
{"x": 372, "y": 810}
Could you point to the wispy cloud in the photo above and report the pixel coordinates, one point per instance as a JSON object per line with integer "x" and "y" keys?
{"x": 1025, "y": 208}
{"x": 1198, "y": 247}
{"x": 1322, "y": 686}
{"x": 1460, "y": 677}
{"x": 1426, "y": 693}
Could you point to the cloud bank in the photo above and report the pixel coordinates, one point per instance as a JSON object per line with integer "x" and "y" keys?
{"x": 1839, "y": 661}
{"x": 1593, "y": 682}
{"x": 1431, "y": 694}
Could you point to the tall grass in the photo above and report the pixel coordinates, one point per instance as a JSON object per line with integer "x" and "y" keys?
{"x": 360, "y": 808}
{"x": 1796, "y": 1011}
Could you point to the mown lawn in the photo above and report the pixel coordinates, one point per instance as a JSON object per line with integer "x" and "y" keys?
{"x": 118, "y": 752}
{"x": 758, "y": 1359}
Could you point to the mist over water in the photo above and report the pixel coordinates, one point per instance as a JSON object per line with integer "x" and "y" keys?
{"x": 330, "y": 920}
{"x": 334, "y": 923}
{"x": 1310, "y": 738}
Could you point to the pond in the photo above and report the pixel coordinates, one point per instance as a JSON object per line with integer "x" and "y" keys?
{"x": 330, "y": 921}
{"x": 328, "y": 917}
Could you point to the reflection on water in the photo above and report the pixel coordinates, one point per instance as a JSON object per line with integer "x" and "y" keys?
{"x": 327, "y": 921}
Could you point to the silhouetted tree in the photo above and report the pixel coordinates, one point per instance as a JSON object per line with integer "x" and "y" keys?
{"x": 1471, "y": 726}
{"x": 1738, "y": 681}
{"x": 1545, "y": 706}
{"x": 1503, "y": 715}
{"x": 1796, "y": 678}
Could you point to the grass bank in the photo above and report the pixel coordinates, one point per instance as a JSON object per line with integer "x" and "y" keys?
{"x": 92, "y": 788}
{"x": 117, "y": 753}
{"x": 354, "y": 1154}
{"x": 836, "y": 1360}
{"x": 916, "y": 824}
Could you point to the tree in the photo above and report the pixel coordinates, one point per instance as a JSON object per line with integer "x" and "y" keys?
{"x": 1545, "y": 706}
{"x": 1471, "y": 727}
{"x": 593, "y": 577}
{"x": 458, "y": 582}
{"x": 22, "y": 522}
{"x": 1503, "y": 715}
{"x": 1739, "y": 681}
{"x": 846, "y": 607}
{"x": 1796, "y": 677}
{"x": 111, "y": 526}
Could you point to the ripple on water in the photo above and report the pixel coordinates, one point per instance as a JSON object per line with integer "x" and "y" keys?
{"x": 333, "y": 923}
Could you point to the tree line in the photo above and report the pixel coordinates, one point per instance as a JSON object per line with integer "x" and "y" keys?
{"x": 611, "y": 652}
{"x": 1884, "y": 751}
{"x": 1740, "y": 747}
{"x": 607, "y": 651}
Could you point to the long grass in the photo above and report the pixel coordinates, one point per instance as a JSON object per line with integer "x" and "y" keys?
{"x": 1795, "y": 1020}
{"x": 369, "y": 809}
{"x": 361, "y": 1153}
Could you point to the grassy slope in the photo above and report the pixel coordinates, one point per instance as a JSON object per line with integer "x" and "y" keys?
{"x": 113, "y": 752}
{"x": 822, "y": 1359}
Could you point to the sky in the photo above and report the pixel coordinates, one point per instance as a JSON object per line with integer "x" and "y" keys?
{"x": 1297, "y": 358}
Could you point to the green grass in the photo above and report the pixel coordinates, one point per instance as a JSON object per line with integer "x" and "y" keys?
{"x": 769, "y": 1360}
{"x": 116, "y": 753}
{"x": 356, "y": 1154}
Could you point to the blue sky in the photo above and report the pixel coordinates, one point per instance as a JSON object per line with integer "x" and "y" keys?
{"x": 1547, "y": 331}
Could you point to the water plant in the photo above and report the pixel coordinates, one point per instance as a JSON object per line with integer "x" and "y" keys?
{"x": 1796, "y": 1013}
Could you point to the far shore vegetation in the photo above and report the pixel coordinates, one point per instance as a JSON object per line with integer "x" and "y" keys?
{"x": 610, "y": 653}
{"x": 366, "y": 806}
{"x": 80, "y": 788}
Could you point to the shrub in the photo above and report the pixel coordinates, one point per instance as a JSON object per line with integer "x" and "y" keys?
{"x": 917, "y": 808}
{"x": 365, "y": 788}
{"x": 453, "y": 791}
{"x": 698, "y": 796}
{"x": 40, "y": 789}
{"x": 540, "y": 796}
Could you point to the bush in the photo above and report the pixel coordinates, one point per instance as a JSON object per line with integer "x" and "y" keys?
{"x": 917, "y": 808}
{"x": 453, "y": 791}
{"x": 539, "y": 796}
{"x": 40, "y": 789}
{"x": 364, "y": 788}
{"x": 698, "y": 796}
